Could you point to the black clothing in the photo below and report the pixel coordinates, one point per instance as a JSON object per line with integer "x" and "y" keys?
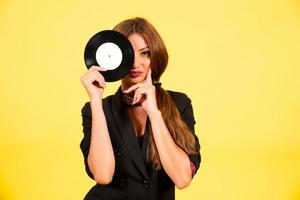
{"x": 134, "y": 178}
{"x": 140, "y": 139}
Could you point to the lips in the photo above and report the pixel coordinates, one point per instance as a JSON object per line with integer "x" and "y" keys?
{"x": 134, "y": 74}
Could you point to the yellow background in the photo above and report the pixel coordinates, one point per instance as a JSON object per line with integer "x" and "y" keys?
{"x": 237, "y": 60}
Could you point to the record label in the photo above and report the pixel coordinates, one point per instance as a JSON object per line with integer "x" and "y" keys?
{"x": 109, "y": 56}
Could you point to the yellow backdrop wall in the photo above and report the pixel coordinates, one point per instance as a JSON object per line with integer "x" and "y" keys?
{"x": 237, "y": 60}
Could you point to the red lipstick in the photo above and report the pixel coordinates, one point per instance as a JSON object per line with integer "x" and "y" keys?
{"x": 134, "y": 74}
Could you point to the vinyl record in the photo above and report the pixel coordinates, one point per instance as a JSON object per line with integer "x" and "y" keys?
{"x": 111, "y": 50}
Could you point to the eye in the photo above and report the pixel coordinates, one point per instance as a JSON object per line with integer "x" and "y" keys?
{"x": 145, "y": 53}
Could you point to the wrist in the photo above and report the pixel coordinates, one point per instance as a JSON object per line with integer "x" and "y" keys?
{"x": 95, "y": 100}
{"x": 96, "y": 103}
{"x": 154, "y": 113}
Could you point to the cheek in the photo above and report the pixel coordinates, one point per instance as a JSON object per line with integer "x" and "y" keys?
{"x": 147, "y": 62}
{"x": 146, "y": 65}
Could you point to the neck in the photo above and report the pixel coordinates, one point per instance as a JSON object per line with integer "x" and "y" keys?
{"x": 124, "y": 85}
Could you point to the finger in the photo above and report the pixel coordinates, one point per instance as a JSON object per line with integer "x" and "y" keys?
{"x": 143, "y": 98}
{"x": 97, "y": 74}
{"x": 96, "y": 83}
{"x": 103, "y": 83}
{"x": 99, "y": 78}
{"x": 135, "y": 101}
{"x": 133, "y": 87}
{"x": 139, "y": 94}
{"x": 139, "y": 97}
{"x": 149, "y": 78}
{"x": 97, "y": 68}
{"x": 100, "y": 82}
{"x": 134, "y": 97}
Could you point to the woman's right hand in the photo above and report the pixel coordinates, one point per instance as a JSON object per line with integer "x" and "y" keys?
{"x": 93, "y": 82}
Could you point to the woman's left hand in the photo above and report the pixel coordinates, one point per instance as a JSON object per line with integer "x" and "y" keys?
{"x": 145, "y": 93}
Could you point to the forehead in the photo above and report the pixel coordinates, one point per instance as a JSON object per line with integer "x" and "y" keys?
{"x": 137, "y": 41}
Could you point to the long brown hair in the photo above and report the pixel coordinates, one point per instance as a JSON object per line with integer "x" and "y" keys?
{"x": 179, "y": 131}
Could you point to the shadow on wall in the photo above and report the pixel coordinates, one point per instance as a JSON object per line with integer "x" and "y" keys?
{"x": 296, "y": 194}
{"x": 3, "y": 4}
{"x": 5, "y": 191}
{"x": 297, "y": 6}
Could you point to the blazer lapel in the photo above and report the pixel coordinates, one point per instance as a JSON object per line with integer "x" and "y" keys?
{"x": 146, "y": 141}
{"x": 126, "y": 131}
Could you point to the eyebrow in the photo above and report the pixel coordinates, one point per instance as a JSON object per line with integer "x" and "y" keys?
{"x": 144, "y": 48}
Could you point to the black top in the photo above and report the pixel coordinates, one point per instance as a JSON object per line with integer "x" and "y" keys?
{"x": 140, "y": 139}
{"x": 134, "y": 178}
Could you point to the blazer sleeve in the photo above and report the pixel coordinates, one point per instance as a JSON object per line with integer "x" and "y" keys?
{"x": 85, "y": 142}
{"x": 187, "y": 116}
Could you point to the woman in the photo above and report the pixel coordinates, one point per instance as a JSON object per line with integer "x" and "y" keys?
{"x": 138, "y": 143}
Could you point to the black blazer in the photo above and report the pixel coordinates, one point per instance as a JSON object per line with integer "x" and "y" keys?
{"x": 134, "y": 178}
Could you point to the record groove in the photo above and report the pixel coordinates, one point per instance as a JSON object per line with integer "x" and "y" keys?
{"x": 111, "y": 50}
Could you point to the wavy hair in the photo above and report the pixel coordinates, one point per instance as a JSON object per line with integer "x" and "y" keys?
{"x": 179, "y": 131}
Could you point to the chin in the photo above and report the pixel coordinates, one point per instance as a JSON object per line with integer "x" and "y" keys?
{"x": 137, "y": 80}
{"x": 134, "y": 80}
